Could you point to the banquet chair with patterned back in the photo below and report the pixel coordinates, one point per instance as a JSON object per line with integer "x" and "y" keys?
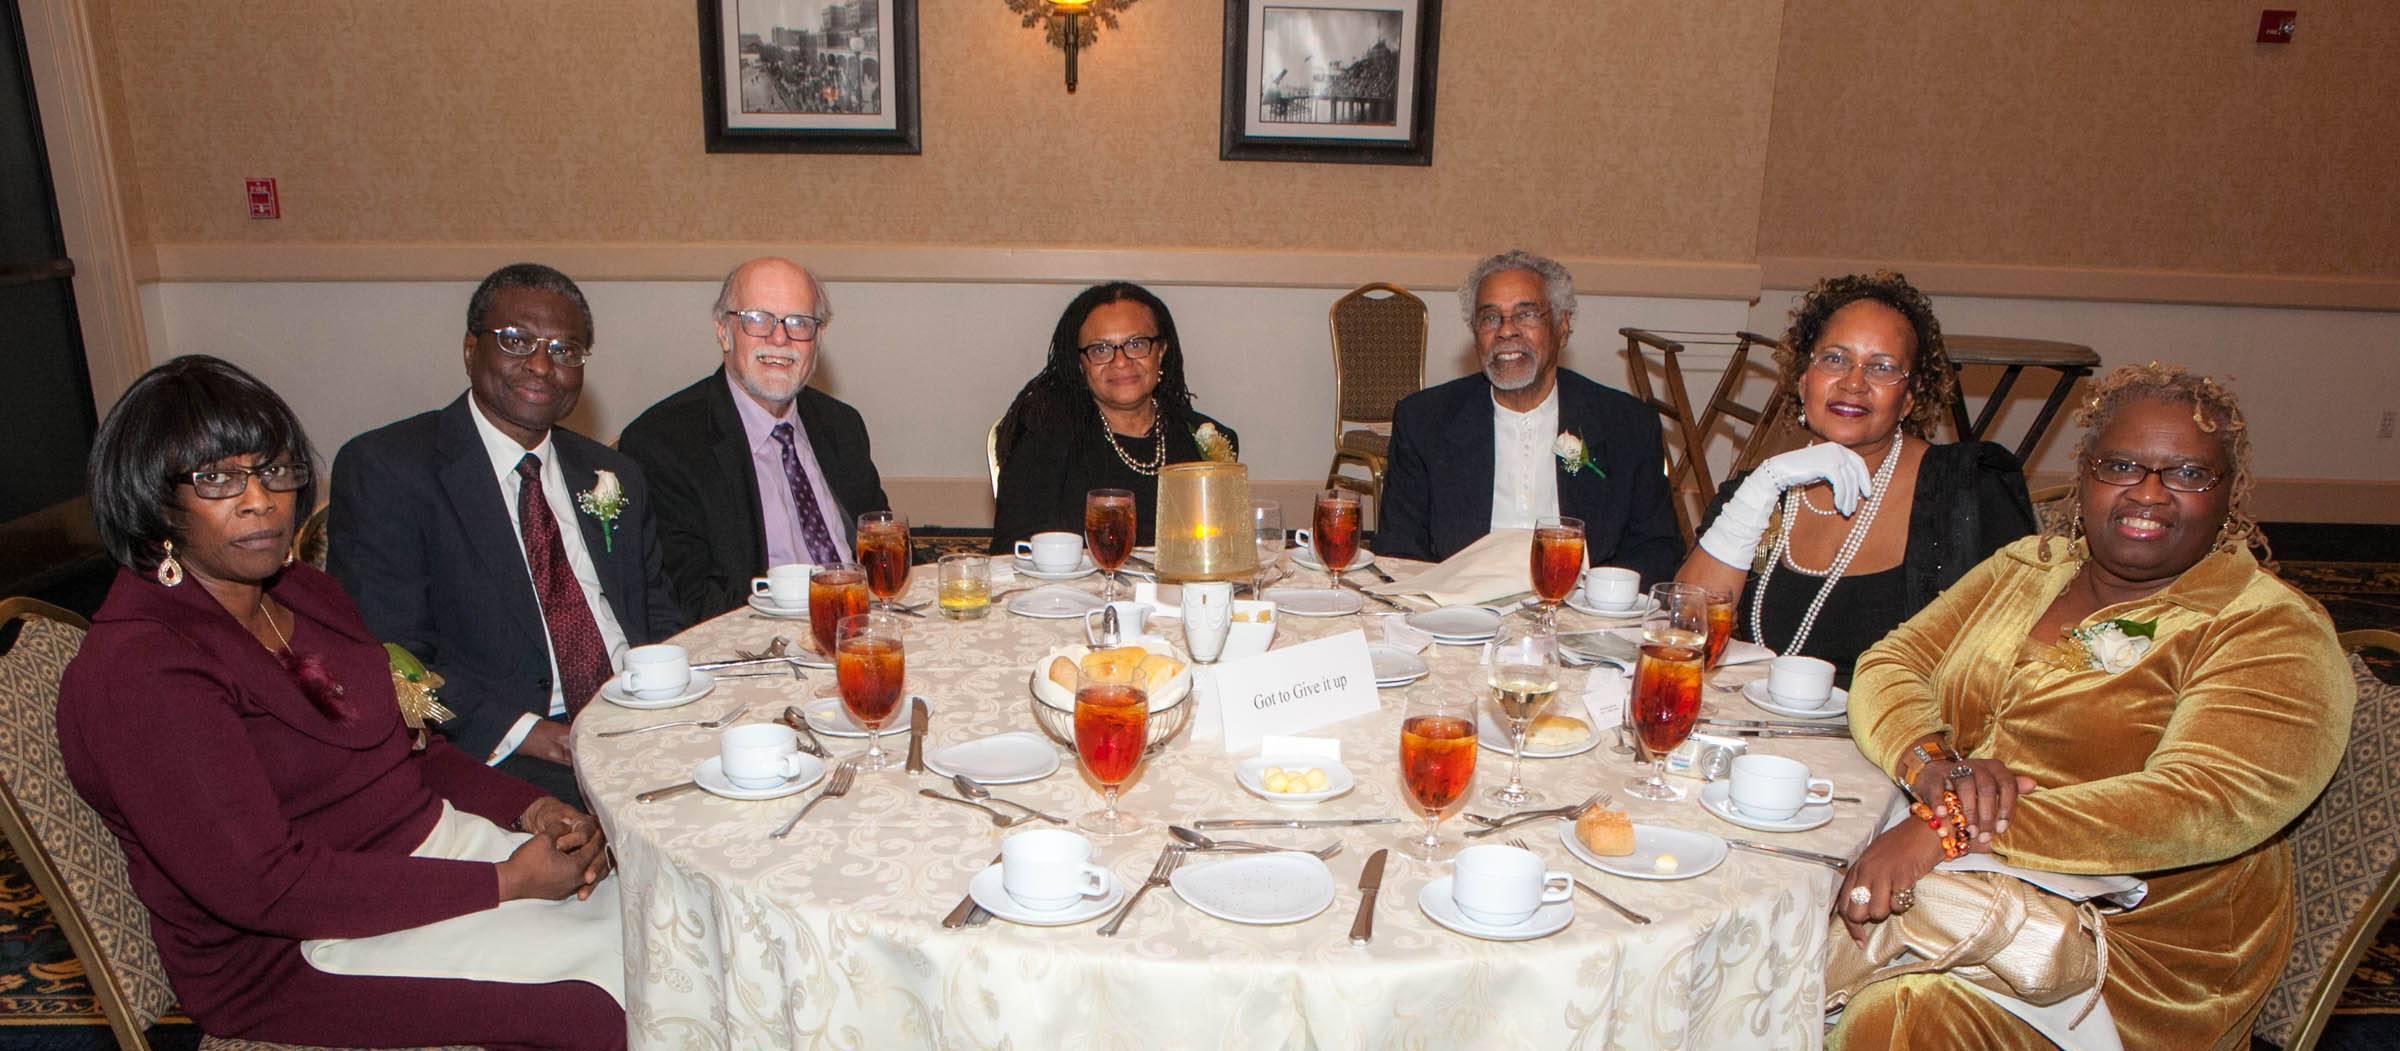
{"x": 2345, "y": 863}
{"x": 73, "y": 858}
{"x": 1378, "y": 359}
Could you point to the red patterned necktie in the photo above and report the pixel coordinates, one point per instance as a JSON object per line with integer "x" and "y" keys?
{"x": 821, "y": 548}
{"x": 574, "y": 636}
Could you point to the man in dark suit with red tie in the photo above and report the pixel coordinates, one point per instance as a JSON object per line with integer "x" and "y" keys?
{"x": 459, "y": 534}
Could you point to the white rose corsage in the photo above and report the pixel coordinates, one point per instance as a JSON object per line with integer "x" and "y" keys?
{"x": 1215, "y": 447}
{"x": 2112, "y": 645}
{"x": 1572, "y": 456}
{"x": 605, "y": 500}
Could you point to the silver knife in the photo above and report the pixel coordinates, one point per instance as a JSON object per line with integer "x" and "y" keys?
{"x": 1336, "y": 822}
{"x": 1770, "y": 733}
{"x": 917, "y": 716}
{"x": 656, "y": 794}
{"x": 1378, "y": 598}
{"x": 1380, "y": 574}
{"x": 964, "y": 914}
{"x": 1370, "y": 883}
{"x": 1794, "y": 853}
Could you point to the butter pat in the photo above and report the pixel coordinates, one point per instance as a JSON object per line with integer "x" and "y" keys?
{"x": 1665, "y": 864}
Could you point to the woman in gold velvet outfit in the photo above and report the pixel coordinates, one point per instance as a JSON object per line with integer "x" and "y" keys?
{"x": 2180, "y": 765}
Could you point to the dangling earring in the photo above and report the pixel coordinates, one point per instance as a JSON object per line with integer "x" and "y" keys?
{"x": 170, "y": 572}
{"x": 1803, "y": 418}
{"x": 2075, "y": 528}
{"x": 290, "y": 555}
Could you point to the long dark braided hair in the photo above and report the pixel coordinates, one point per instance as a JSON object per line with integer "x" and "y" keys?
{"x": 1059, "y": 397}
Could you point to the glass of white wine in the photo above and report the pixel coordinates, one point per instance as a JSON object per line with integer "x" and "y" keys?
{"x": 1521, "y": 667}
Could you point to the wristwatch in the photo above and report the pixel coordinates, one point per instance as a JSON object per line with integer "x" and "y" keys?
{"x": 1924, "y": 752}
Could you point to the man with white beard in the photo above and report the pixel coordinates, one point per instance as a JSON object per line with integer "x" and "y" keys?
{"x": 751, "y": 467}
{"x": 1525, "y": 439}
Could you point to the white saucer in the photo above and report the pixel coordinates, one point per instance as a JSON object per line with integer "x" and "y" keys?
{"x": 1257, "y": 888}
{"x": 1001, "y": 759}
{"x": 989, "y": 892}
{"x": 614, "y": 692}
{"x": 1756, "y": 693}
{"x": 1053, "y": 602}
{"x": 1642, "y": 607}
{"x": 1251, "y": 774}
{"x": 711, "y": 777}
{"x": 1306, "y": 558}
{"x": 1395, "y": 666}
{"x": 1436, "y": 903}
{"x": 1694, "y": 852}
{"x": 1457, "y": 625}
{"x": 825, "y": 716}
{"x": 1491, "y": 734}
{"x": 1716, "y": 797}
{"x": 766, "y": 607}
{"x": 1316, "y": 602}
{"x": 1025, "y": 568}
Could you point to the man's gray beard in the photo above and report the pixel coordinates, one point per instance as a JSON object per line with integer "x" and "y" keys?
{"x": 1533, "y": 374}
{"x": 752, "y": 390}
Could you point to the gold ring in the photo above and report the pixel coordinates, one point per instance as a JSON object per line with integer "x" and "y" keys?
{"x": 1860, "y": 896}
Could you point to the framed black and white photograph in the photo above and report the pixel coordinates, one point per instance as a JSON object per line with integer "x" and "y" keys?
{"x": 1338, "y": 81}
{"x": 809, "y": 76}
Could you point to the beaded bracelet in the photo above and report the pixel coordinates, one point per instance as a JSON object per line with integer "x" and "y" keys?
{"x": 1953, "y": 841}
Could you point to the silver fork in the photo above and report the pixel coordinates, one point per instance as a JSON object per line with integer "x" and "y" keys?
{"x": 1519, "y": 843}
{"x": 1168, "y": 858}
{"x": 843, "y": 775}
{"x": 1599, "y": 798}
{"x": 705, "y": 724}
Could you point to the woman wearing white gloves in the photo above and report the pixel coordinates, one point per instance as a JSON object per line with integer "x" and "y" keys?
{"x": 1833, "y": 545}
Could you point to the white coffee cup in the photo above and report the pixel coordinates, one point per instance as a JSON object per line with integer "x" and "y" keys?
{"x": 786, "y": 585}
{"x": 657, "y": 672}
{"x": 1049, "y": 869}
{"x": 1133, "y": 621}
{"x": 1610, "y": 587}
{"x": 760, "y": 755}
{"x": 1502, "y": 886}
{"x": 1800, "y": 682}
{"x": 1774, "y": 788}
{"x": 1207, "y": 618}
{"x": 1052, "y": 552}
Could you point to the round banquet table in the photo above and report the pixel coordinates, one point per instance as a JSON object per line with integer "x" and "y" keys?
{"x": 831, "y": 938}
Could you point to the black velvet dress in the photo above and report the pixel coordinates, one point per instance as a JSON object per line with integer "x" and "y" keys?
{"x": 1045, "y": 471}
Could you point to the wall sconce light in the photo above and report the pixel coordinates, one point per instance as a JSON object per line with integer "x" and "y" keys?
{"x": 1069, "y": 25}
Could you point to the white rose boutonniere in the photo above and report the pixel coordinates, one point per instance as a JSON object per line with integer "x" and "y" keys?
{"x": 1215, "y": 447}
{"x": 605, "y": 500}
{"x": 2113, "y": 645}
{"x": 1572, "y": 456}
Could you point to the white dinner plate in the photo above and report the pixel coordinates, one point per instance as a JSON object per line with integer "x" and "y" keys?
{"x": 1061, "y": 698}
{"x": 614, "y": 692}
{"x": 1251, "y": 774}
{"x": 766, "y": 607}
{"x": 711, "y": 776}
{"x": 825, "y": 716}
{"x": 1756, "y": 693}
{"x": 1457, "y": 625}
{"x": 1716, "y": 797}
{"x": 1053, "y": 602}
{"x": 1581, "y": 603}
{"x": 1694, "y": 852}
{"x": 1435, "y": 901}
{"x": 1001, "y": 759}
{"x": 1306, "y": 558}
{"x": 1395, "y": 666}
{"x": 1316, "y": 602}
{"x": 1490, "y": 733}
{"x": 1257, "y": 888}
{"x": 1025, "y": 568}
{"x": 989, "y": 892}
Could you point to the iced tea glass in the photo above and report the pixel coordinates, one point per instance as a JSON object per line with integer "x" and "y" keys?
{"x": 1721, "y": 607}
{"x": 1112, "y": 727}
{"x": 1108, "y": 534}
{"x": 1557, "y": 564}
{"x": 1333, "y": 531}
{"x": 870, "y": 663}
{"x": 834, "y": 592}
{"x": 1437, "y": 763}
{"x": 1666, "y": 683}
{"x": 883, "y": 550}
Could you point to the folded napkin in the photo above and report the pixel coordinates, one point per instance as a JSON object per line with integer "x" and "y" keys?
{"x": 1396, "y": 632}
{"x": 1497, "y": 566}
{"x": 1740, "y": 652}
{"x": 1604, "y": 698}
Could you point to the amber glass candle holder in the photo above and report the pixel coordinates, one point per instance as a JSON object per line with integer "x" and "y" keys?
{"x": 1205, "y": 528}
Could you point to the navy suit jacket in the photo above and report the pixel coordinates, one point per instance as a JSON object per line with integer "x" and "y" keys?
{"x": 1437, "y": 489}
{"x": 421, "y": 539}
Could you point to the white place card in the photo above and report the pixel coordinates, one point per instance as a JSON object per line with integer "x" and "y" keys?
{"x": 1294, "y": 690}
{"x": 1605, "y": 695}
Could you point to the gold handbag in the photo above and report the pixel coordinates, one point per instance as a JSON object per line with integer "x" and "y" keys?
{"x": 1985, "y": 928}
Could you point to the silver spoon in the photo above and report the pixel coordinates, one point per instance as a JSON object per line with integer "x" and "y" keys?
{"x": 999, "y": 820}
{"x": 808, "y": 738}
{"x": 1198, "y": 841}
{"x": 973, "y": 789}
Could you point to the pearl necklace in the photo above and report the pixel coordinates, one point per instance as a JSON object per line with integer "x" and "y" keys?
{"x": 1841, "y": 559}
{"x": 1156, "y": 461}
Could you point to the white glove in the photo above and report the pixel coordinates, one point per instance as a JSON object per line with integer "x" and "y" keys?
{"x": 1734, "y": 537}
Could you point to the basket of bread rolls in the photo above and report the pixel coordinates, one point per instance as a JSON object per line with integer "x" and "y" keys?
{"x": 1167, "y": 680}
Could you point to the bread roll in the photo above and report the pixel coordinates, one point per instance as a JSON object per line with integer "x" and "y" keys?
{"x": 1157, "y": 670}
{"x": 1608, "y": 833}
{"x": 1119, "y": 662}
{"x": 1062, "y": 672}
{"x": 1556, "y": 731}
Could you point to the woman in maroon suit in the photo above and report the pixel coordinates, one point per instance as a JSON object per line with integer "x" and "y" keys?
{"x": 235, "y": 726}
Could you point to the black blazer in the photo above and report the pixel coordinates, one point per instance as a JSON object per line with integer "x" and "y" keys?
{"x": 692, "y": 446}
{"x": 1437, "y": 489}
{"x": 422, "y": 541}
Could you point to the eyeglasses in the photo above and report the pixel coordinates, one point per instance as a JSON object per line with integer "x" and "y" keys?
{"x": 1138, "y": 348}
{"x": 2181, "y": 478}
{"x": 760, "y": 324}
{"x": 1882, "y": 372}
{"x": 1489, "y": 320}
{"x": 225, "y": 483}
{"x": 519, "y": 343}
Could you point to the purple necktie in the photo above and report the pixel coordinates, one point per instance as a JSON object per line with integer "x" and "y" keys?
{"x": 574, "y": 634}
{"x": 821, "y": 548}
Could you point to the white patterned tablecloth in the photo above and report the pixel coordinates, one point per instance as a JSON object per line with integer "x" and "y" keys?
{"x": 831, "y": 938}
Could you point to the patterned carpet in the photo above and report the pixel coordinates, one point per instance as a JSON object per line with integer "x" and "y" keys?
{"x": 45, "y": 1002}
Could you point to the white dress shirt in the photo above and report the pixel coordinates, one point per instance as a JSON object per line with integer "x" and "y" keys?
{"x": 1524, "y": 473}
{"x": 505, "y": 454}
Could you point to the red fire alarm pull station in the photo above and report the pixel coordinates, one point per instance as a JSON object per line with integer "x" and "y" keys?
{"x": 263, "y": 203}
{"x": 2275, "y": 27}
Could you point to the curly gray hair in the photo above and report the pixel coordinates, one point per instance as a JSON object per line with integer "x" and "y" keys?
{"x": 1558, "y": 286}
